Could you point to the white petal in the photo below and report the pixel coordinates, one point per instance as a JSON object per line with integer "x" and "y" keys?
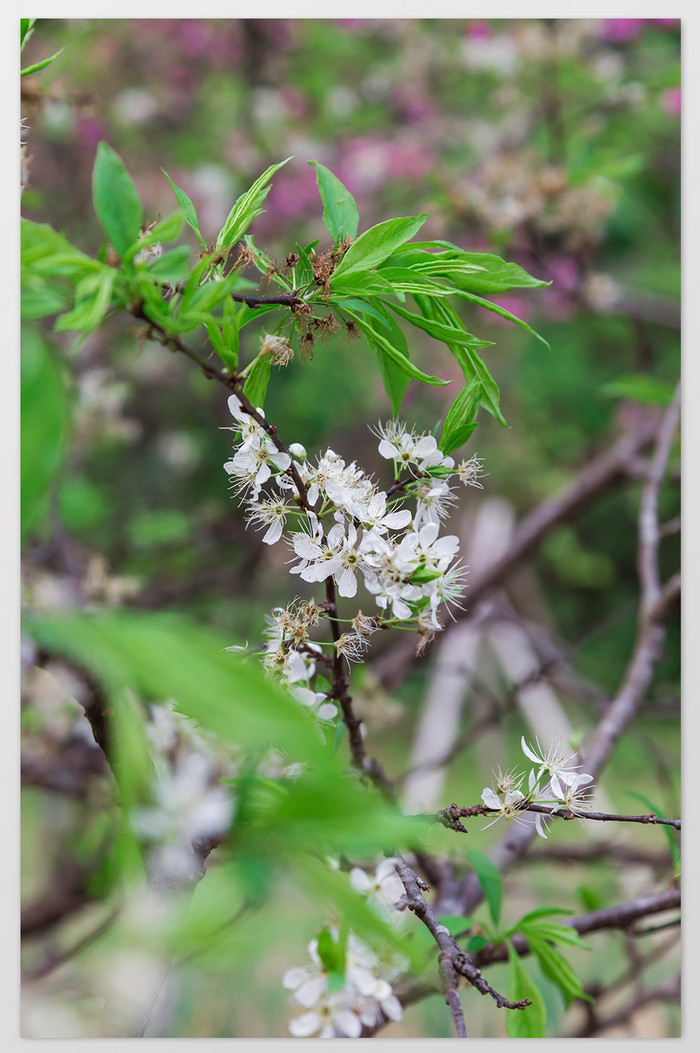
{"x": 392, "y": 1007}
{"x": 490, "y": 799}
{"x": 273, "y": 533}
{"x": 359, "y": 880}
{"x": 327, "y": 711}
{"x": 396, "y": 520}
{"x": 347, "y": 583}
{"x": 387, "y": 450}
{"x": 305, "y": 1025}
{"x": 348, "y": 1023}
{"x": 294, "y": 977}
{"x": 528, "y": 752}
{"x": 308, "y": 993}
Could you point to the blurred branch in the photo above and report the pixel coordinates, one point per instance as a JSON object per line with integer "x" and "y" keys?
{"x": 594, "y": 479}
{"x": 668, "y": 991}
{"x": 654, "y": 605}
{"x": 621, "y": 916}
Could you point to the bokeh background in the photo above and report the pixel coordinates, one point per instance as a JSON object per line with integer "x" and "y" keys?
{"x": 554, "y": 143}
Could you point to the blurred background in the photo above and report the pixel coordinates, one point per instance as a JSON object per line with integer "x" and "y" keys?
{"x": 553, "y": 143}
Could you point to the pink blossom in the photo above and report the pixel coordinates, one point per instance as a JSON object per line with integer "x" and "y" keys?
{"x": 621, "y": 30}
{"x": 478, "y": 30}
{"x": 671, "y": 101}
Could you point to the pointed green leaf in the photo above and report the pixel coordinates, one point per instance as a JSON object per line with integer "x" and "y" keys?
{"x": 340, "y": 215}
{"x": 188, "y": 209}
{"x": 117, "y": 204}
{"x": 549, "y": 930}
{"x": 490, "y": 881}
{"x": 388, "y": 349}
{"x": 247, "y": 207}
{"x": 447, "y": 334}
{"x": 375, "y": 244}
{"x": 255, "y": 387}
{"x": 530, "y": 1022}
{"x": 40, "y": 65}
{"x": 460, "y": 420}
{"x": 556, "y": 967}
{"x": 497, "y": 309}
{"x": 45, "y": 422}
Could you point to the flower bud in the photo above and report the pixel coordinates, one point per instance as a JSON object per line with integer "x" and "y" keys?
{"x": 298, "y": 451}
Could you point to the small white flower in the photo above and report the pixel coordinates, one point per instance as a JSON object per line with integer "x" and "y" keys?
{"x": 469, "y": 471}
{"x": 556, "y": 761}
{"x": 384, "y": 890}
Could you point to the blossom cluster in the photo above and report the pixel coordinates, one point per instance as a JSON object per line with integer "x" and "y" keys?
{"x": 340, "y": 525}
{"x": 552, "y": 781}
{"x": 366, "y": 993}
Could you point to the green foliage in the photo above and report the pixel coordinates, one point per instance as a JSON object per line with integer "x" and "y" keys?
{"x": 340, "y": 215}
{"x": 246, "y": 208}
{"x": 460, "y": 421}
{"x": 490, "y": 881}
{"x": 374, "y": 245}
{"x": 640, "y": 388}
{"x": 529, "y": 1022}
{"x": 255, "y": 387}
{"x": 188, "y": 209}
{"x": 45, "y": 420}
{"x": 117, "y": 203}
{"x": 556, "y": 967}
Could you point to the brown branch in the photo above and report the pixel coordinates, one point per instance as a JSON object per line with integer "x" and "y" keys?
{"x": 581, "y": 855}
{"x": 451, "y": 815}
{"x": 654, "y": 605}
{"x": 340, "y": 689}
{"x": 668, "y": 991}
{"x": 460, "y": 962}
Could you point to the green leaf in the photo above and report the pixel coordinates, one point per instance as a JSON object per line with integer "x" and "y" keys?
{"x": 556, "y": 967}
{"x": 363, "y": 308}
{"x": 172, "y": 265}
{"x": 246, "y": 208}
{"x": 394, "y": 378}
{"x": 375, "y": 244}
{"x": 46, "y": 252}
{"x": 478, "y": 272}
{"x": 639, "y": 388}
{"x": 554, "y": 933}
{"x": 456, "y": 924}
{"x": 534, "y": 915}
{"x": 163, "y": 656}
{"x": 396, "y": 357}
{"x": 340, "y": 215}
{"x": 45, "y": 417}
{"x": 332, "y": 952}
{"x": 447, "y": 334}
{"x": 360, "y": 283}
{"x": 117, "y": 204}
{"x": 93, "y": 298}
{"x": 188, "y": 209}
{"x": 490, "y": 881}
{"x": 38, "y": 300}
{"x": 502, "y": 312}
{"x": 460, "y": 423}
{"x": 530, "y": 1022}
{"x": 40, "y": 65}
{"x": 26, "y": 28}
{"x": 473, "y": 366}
{"x": 255, "y": 387}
